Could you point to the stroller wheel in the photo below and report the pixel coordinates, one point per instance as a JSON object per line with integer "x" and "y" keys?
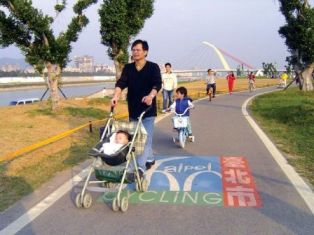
{"x": 115, "y": 206}
{"x": 124, "y": 204}
{"x": 144, "y": 185}
{"x": 78, "y": 203}
{"x": 87, "y": 200}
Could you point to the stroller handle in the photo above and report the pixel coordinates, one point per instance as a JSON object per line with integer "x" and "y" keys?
{"x": 145, "y": 111}
{"x": 111, "y": 111}
{"x": 148, "y": 108}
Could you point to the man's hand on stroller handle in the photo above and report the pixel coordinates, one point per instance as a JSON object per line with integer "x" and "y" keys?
{"x": 148, "y": 100}
{"x": 116, "y": 95}
{"x": 114, "y": 101}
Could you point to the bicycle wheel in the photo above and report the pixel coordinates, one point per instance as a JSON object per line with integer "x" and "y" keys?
{"x": 182, "y": 138}
{"x": 251, "y": 87}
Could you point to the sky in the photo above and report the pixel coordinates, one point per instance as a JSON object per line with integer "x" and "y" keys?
{"x": 246, "y": 29}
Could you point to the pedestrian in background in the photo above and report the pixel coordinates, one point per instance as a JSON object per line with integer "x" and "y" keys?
{"x": 284, "y": 78}
{"x": 169, "y": 84}
{"x": 230, "y": 78}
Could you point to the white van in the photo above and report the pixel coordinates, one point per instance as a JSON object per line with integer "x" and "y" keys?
{"x": 24, "y": 101}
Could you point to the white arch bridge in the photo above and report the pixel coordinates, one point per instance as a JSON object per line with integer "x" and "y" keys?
{"x": 221, "y": 54}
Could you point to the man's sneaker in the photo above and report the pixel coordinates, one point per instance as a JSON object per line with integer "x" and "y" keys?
{"x": 191, "y": 138}
{"x": 164, "y": 111}
{"x": 149, "y": 164}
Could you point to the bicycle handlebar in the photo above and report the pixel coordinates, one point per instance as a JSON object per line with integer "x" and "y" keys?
{"x": 181, "y": 114}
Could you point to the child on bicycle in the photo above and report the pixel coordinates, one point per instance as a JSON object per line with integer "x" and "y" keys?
{"x": 181, "y": 103}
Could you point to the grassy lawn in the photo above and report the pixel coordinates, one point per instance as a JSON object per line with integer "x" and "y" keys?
{"x": 30, "y": 124}
{"x": 288, "y": 117}
{"x": 23, "y": 175}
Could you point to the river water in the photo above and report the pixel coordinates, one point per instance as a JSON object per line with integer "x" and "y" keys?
{"x": 6, "y": 96}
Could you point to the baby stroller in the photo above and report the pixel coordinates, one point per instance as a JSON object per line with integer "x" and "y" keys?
{"x": 113, "y": 169}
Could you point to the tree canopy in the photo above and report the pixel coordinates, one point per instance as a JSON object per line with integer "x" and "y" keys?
{"x": 31, "y": 31}
{"x": 120, "y": 21}
{"x": 299, "y": 34}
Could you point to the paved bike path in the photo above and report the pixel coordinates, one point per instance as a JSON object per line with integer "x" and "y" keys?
{"x": 220, "y": 130}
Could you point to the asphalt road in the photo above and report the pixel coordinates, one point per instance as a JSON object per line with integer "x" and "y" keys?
{"x": 220, "y": 130}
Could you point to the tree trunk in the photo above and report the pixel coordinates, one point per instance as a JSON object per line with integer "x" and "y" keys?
{"x": 54, "y": 74}
{"x": 118, "y": 68}
{"x": 307, "y": 78}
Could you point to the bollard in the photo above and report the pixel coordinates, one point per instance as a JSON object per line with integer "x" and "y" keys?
{"x": 90, "y": 127}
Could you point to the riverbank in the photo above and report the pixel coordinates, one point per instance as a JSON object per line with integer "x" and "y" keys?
{"x": 18, "y": 86}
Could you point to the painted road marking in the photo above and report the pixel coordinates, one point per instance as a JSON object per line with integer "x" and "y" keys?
{"x": 303, "y": 189}
{"x": 239, "y": 189}
{"x": 196, "y": 180}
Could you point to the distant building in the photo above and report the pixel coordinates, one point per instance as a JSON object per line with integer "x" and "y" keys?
{"x": 104, "y": 68}
{"x": 10, "y": 68}
{"x": 72, "y": 70}
{"x": 29, "y": 70}
{"x": 84, "y": 63}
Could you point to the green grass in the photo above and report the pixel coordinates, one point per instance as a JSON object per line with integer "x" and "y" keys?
{"x": 288, "y": 116}
{"x": 24, "y": 182}
{"x": 98, "y": 101}
{"x": 86, "y": 112}
{"x": 72, "y": 111}
{"x": 42, "y": 111}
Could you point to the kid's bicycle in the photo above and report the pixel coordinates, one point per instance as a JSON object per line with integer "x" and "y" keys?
{"x": 251, "y": 86}
{"x": 180, "y": 123}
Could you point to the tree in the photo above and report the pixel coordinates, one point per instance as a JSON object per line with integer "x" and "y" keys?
{"x": 31, "y": 31}
{"x": 120, "y": 21}
{"x": 299, "y": 35}
{"x": 269, "y": 70}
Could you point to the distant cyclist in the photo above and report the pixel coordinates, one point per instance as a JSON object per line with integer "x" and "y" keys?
{"x": 211, "y": 83}
{"x": 251, "y": 78}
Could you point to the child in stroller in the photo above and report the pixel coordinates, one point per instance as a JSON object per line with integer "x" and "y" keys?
{"x": 117, "y": 141}
{"x": 115, "y": 167}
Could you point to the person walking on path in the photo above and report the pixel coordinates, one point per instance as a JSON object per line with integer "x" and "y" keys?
{"x": 143, "y": 80}
{"x": 251, "y": 78}
{"x": 230, "y": 78}
{"x": 169, "y": 83}
{"x": 211, "y": 83}
{"x": 284, "y": 78}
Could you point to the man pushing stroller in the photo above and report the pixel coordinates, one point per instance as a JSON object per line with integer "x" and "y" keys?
{"x": 143, "y": 80}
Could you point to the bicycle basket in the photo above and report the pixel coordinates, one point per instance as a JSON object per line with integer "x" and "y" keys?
{"x": 180, "y": 122}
